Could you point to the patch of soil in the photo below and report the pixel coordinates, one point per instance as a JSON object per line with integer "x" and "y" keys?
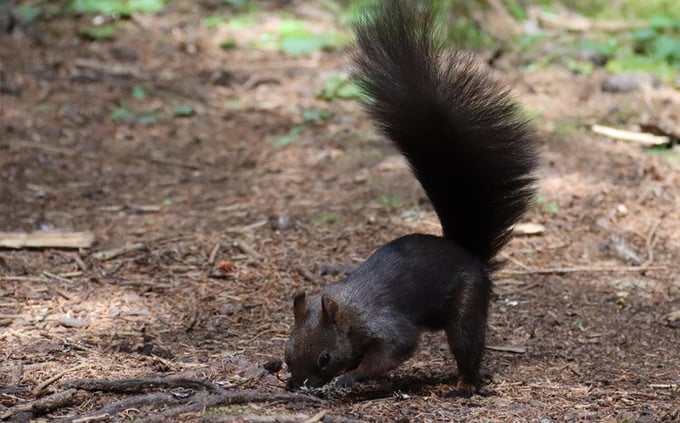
{"x": 584, "y": 325}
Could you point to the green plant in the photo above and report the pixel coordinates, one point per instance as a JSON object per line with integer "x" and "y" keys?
{"x": 340, "y": 85}
{"x": 116, "y": 7}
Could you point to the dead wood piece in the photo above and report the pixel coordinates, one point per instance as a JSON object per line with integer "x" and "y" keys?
{"x": 115, "y": 252}
{"x": 137, "y": 385}
{"x": 42, "y": 405}
{"x": 108, "y": 68}
{"x": 648, "y": 140}
{"x": 46, "y": 239}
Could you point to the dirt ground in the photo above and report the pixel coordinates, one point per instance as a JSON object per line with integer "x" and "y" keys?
{"x": 227, "y": 223}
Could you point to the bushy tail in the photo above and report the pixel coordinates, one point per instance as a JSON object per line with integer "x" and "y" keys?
{"x": 465, "y": 139}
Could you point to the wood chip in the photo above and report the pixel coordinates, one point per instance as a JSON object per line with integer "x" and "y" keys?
{"x": 528, "y": 228}
{"x": 46, "y": 239}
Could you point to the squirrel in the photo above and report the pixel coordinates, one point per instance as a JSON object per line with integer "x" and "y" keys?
{"x": 475, "y": 156}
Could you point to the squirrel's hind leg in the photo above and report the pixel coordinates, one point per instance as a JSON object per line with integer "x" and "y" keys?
{"x": 466, "y": 332}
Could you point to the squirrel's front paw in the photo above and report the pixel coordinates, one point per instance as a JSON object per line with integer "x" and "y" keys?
{"x": 345, "y": 381}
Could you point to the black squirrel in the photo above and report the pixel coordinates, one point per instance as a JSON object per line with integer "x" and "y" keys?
{"x": 475, "y": 156}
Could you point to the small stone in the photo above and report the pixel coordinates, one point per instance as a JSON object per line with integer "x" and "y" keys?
{"x": 72, "y": 322}
{"x": 629, "y": 81}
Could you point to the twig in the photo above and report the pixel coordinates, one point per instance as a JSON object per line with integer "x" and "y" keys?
{"x": 664, "y": 385}
{"x": 506, "y": 348}
{"x": 650, "y": 242}
{"x": 246, "y": 248}
{"x": 246, "y": 228}
{"x": 40, "y": 388}
{"x": 213, "y": 254}
{"x": 508, "y": 257}
{"x": 55, "y": 277}
{"x": 115, "y": 252}
{"x": 584, "y": 269}
{"x": 317, "y": 417}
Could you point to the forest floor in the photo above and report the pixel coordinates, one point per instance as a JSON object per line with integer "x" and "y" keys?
{"x": 233, "y": 185}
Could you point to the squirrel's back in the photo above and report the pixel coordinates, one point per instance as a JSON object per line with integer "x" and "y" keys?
{"x": 465, "y": 139}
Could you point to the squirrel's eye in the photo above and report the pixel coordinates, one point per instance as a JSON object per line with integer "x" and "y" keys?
{"x": 324, "y": 359}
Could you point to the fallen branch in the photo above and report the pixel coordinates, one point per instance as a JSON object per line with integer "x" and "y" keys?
{"x": 137, "y": 385}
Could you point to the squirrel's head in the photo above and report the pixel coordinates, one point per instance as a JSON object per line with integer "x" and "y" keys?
{"x": 319, "y": 346}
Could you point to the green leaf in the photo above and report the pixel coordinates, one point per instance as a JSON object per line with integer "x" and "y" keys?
{"x": 312, "y": 115}
{"x": 28, "y": 13}
{"x": 291, "y": 138}
{"x": 552, "y": 207}
{"x": 327, "y": 219}
{"x": 390, "y": 200}
{"x": 212, "y": 21}
{"x": 228, "y": 44}
{"x": 341, "y": 86}
{"x": 98, "y": 33}
{"x": 233, "y": 104}
{"x": 184, "y": 110}
{"x": 667, "y": 48}
{"x": 236, "y": 3}
{"x": 661, "y": 22}
{"x": 146, "y": 118}
{"x": 644, "y": 35}
{"x": 121, "y": 113}
{"x": 301, "y": 43}
{"x": 139, "y": 92}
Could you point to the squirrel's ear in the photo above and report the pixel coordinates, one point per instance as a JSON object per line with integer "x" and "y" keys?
{"x": 331, "y": 314}
{"x": 300, "y": 308}
{"x": 329, "y": 309}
